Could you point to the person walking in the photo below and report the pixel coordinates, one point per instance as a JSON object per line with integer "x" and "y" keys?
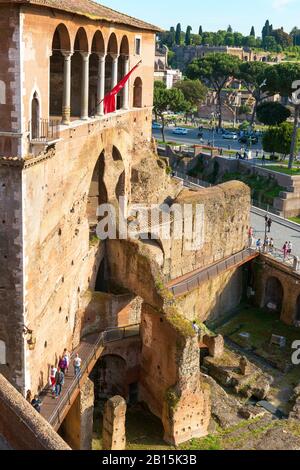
{"x": 66, "y": 357}
{"x": 36, "y": 403}
{"x": 271, "y": 245}
{"x": 290, "y": 248}
{"x": 258, "y": 244}
{"x": 52, "y": 378}
{"x": 263, "y": 160}
{"x": 269, "y": 224}
{"x": 266, "y": 244}
{"x": 59, "y": 381}
{"x": 77, "y": 365}
{"x": 251, "y": 236}
{"x": 63, "y": 364}
{"x": 285, "y": 250}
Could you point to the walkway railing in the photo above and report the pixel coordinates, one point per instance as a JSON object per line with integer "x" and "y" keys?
{"x": 196, "y": 279}
{"x": 289, "y": 260}
{"x": 106, "y": 337}
{"x": 190, "y": 179}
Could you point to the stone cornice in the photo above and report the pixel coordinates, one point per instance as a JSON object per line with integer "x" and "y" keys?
{"x": 28, "y": 161}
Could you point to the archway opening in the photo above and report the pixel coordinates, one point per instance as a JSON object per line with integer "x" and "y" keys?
{"x": 138, "y": 93}
{"x": 97, "y": 193}
{"x": 98, "y": 49}
{"x": 80, "y": 48}
{"x": 274, "y": 295}
{"x": 61, "y": 44}
{"x": 110, "y": 378}
{"x": 35, "y": 117}
{"x": 112, "y": 53}
{"x": 123, "y": 58}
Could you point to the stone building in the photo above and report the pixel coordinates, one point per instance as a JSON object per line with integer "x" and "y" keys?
{"x": 184, "y": 55}
{"x": 60, "y": 158}
{"x": 162, "y": 71}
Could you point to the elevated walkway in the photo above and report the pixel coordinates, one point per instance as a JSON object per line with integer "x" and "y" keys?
{"x": 191, "y": 281}
{"x": 89, "y": 350}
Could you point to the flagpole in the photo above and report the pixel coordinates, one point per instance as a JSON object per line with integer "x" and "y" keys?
{"x": 100, "y": 102}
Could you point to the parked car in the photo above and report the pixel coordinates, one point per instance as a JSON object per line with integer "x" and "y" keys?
{"x": 156, "y": 125}
{"x": 180, "y": 131}
{"x": 230, "y": 136}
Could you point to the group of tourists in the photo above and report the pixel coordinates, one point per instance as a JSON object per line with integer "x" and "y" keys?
{"x": 57, "y": 378}
{"x": 268, "y": 244}
{"x": 57, "y": 374}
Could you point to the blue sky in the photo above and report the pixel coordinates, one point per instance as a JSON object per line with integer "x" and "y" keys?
{"x": 214, "y": 14}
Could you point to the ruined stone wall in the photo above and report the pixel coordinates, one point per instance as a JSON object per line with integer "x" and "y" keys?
{"x": 11, "y": 271}
{"x": 10, "y": 100}
{"x": 60, "y": 263}
{"x": 101, "y": 311}
{"x": 21, "y": 426}
{"x": 214, "y": 298}
{"x": 225, "y": 228}
{"x": 170, "y": 376}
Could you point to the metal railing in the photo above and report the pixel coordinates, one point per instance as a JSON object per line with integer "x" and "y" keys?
{"x": 289, "y": 260}
{"x": 108, "y": 336}
{"x": 198, "y": 278}
{"x": 191, "y": 179}
{"x": 265, "y": 207}
{"x": 43, "y": 130}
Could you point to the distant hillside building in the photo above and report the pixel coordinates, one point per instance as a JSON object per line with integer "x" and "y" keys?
{"x": 186, "y": 54}
{"x": 162, "y": 71}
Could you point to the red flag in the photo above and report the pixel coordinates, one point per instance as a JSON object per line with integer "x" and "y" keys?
{"x": 110, "y": 98}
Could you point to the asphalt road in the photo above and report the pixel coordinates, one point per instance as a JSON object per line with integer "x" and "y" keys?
{"x": 192, "y": 138}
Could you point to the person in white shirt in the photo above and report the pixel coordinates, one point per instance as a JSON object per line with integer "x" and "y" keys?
{"x": 77, "y": 365}
{"x": 52, "y": 379}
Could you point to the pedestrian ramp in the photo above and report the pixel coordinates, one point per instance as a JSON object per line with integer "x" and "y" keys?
{"x": 89, "y": 350}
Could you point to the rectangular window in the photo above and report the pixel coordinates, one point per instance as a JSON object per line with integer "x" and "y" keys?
{"x": 138, "y": 44}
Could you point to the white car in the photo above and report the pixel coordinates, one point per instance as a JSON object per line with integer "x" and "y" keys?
{"x": 180, "y": 131}
{"x": 230, "y": 136}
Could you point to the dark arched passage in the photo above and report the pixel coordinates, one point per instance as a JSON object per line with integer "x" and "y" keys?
{"x": 274, "y": 295}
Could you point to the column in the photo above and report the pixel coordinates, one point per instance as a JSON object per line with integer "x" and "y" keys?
{"x": 114, "y": 78}
{"x": 66, "y": 109}
{"x": 85, "y": 86}
{"x": 100, "y": 84}
{"x": 126, "y": 88}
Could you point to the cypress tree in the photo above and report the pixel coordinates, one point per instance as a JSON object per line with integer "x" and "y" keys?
{"x": 178, "y": 34}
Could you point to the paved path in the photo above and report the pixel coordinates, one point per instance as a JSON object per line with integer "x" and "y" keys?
{"x": 279, "y": 232}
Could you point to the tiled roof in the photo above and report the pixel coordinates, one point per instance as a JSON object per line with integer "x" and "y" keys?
{"x": 94, "y": 11}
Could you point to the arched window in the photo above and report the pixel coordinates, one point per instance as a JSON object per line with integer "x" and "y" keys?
{"x": 61, "y": 44}
{"x": 138, "y": 93}
{"x": 3, "y": 360}
{"x": 35, "y": 117}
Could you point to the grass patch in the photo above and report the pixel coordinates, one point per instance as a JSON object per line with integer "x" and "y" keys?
{"x": 263, "y": 189}
{"x": 261, "y": 324}
{"x": 284, "y": 169}
{"x": 295, "y": 219}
